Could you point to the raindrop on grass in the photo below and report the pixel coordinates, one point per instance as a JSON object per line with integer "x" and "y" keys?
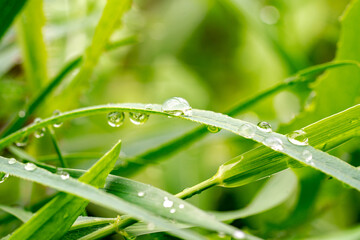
{"x": 274, "y": 143}
{"x": 22, "y": 142}
{"x": 173, "y": 210}
{"x": 116, "y": 119}
{"x": 298, "y": 138}
{"x": 213, "y": 129}
{"x": 239, "y": 234}
{"x": 40, "y": 132}
{"x": 138, "y": 118}
{"x": 264, "y": 126}
{"x": 167, "y": 203}
{"x": 247, "y": 130}
{"x": 181, "y": 206}
{"x": 64, "y": 175}
{"x": 3, "y": 177}
{"x": 57, "y": 124}
{"x": 307, "y": 156}
{"x": 149, "y": 106}
{"x": 30, "y": 167}
{"x": 12, "y": 161}
{"x": 177, "y": 106}
{"x": 141, "y": 194}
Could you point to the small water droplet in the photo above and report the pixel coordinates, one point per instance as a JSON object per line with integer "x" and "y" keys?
{"x": 22, "y": 141}
{"x": 22, "y": 114}
{"x": 167, "y": 203}
{"x": 3, "y": 177}
{"x": 264, "y": 126}
{"x": 307, "y": 156}
{"x": 173, "y": 210}
{"x": 64, "y": 175}
{"x": 57, "y": 124}
{"x": 274, "y": 143}
{"x": 247, "y": 130}
{"x": 177, "y": 106}
{"x": 298, "y": 137}
{"x": 138, "y": 118}
{"x": 213, "y": 129}
{"x": 116, "y": 119}
{"x": 39, "y": 132}
{"x": 151, "y": 226}
{"x": 149, "y": 106}
{"x": 181, "y": 206}
{"x": 12, "y": 161}
{"x": 141, "y": 194}
{"x": 30, "y": 167}
{"x": 239, "y": 234}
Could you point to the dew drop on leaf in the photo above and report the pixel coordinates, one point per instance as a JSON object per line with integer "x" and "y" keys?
{"x": 264, "y": 126}
{"x": 11, "y": 161}
{"x": 181, "y": 206}
{"x": 64, "y": 175}
{"x": 39, "y": 132}
{"x": 239, "y": 234}
{"x": 173, "y": 210}
{"x": 116, "y": 119}
{"x": 141, "y": 194}
{"x": 30, "y": 167}
{"x": 138, "y": 118}
{"x": 22, "y": 142}
{"x": 177, "y": 106}
{"x": 307, "y": 156}
{"x": 22, "y": 114}
{"x": 167, "y": 203}
{"x": 247, "y": 130}
{"x": 298, "y": 137}
{"x": 274, "y": 143}
{"x": 57, "y": 124}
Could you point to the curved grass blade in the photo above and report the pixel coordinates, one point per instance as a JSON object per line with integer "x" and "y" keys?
{"x": 20, "y": 213}
{"x": 92, "y": 194}
{"x": 8, "y": 11}
{"x": 55, "y": 218}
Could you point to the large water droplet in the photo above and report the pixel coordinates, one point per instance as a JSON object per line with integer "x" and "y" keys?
{"x": 12, "y": 161}
{"x": 247, "y": 130}
{"x": 40, "y": 132}
{"x": 138, "y": 118}
{"x": 173, "y": 210}
{"x": 307, "y": 156}
{"x": 57, "y": 124}
{"x": 213, "y": 129}
{"x": 167, "y": 203}
{"x": 239, "y": 234}
{"x": 264, "y": 126}
{"x": 298, "y": 137}
{"x": 22, "y": 141}
{"x": 30, "y": 167}
{"x": 177, "y": 106}
{"x": 141, "y": 194}
{"x": 64, "y": 175}
{"x": 116, "y": 119}
{"x": 274, "y": 143}
{"x": 3, "y": 177}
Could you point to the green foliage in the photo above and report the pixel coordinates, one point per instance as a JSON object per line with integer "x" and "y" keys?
{"x": 86, "y": 59}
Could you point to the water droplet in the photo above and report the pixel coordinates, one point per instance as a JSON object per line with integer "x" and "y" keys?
{"x": 177, "y": 106}
{"x": 298, "y": 138}
{"x": 64, "y": 175}
{"x": 116, "y": 119}
{"x": 239, "y": 234}
{"x": 221, "y": 235}
{"x": 149, "y": 106}
{"x": 307, "y": 156}
{"x": 181, "y": 206}
{"x": 269, "y": 15}
{"x": 151, "y": 226}
{"x": 264, "y": 126}
{"x": 247, "y": 130}
{"x": 274, "y": 143}
{"x": 12, "y": 161}
{"x": 138, "y": 118}
{"x": 141, "y": 194}
{"x": 22, "y": 141}
{"x": 167, "y": 203}
{"x": 3, "y": 177}
{"x": 30, "y": 167}
{"x": 213, "y": 129}
{"x": 57, "y": 124}
{"x": 173, "y": 210}
{"x": 22, "y": 114}
{"x": 39, "y": 132}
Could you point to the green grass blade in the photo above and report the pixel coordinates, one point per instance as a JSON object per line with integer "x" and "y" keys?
{"x": 92, "y": 194}
{"x": 56, "y": 217}
{"x": 321, "y": 160}
{"x": 62, "y": 161}
{"x": 8, "y": 11}
{"x": 32, "y": 43}
{"x": 21, "y": 214}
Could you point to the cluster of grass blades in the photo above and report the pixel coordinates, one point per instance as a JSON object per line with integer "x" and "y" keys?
{"x": 144, "y": 209}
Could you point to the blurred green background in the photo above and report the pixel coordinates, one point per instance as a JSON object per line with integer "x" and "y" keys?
{"x": 214, "y": 54}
